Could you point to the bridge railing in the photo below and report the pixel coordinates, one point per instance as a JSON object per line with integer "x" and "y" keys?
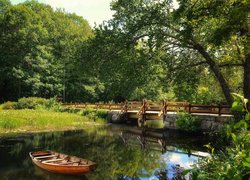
{"x": 161, "y": 108}
{"x": 109, "y": 106}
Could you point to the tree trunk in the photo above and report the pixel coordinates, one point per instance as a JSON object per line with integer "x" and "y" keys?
{"x": 216, "y": 70}
{"x": 246, "y": 80}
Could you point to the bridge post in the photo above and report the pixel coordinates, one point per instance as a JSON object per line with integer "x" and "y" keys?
{"x": 96, "y": 106}
{"x": 142, "y": 113}
{"x": 126, "y": 106}
{"x": 189, "y": 108}
{"x": 164, "y": 110}
{"x": 110, "y": 106}
{"x": 219, "y": 111}
{"x": 125, "y": 111}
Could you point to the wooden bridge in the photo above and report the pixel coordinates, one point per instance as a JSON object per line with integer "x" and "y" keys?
{"x": 149, "y": 110}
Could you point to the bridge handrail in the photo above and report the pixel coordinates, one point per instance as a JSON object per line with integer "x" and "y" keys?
{"x": 162, "y": 107}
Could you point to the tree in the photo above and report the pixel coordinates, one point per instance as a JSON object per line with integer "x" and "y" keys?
{"x": 190, "y": 27}
{"x": 38, "y": 49}
{"x": 122, "y": 69}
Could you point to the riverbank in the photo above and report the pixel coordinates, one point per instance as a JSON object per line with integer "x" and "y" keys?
{"x": 29, "y": 120}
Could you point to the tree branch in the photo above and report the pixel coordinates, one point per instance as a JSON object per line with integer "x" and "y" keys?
{"x": 239, "y": 51}
{"x": 188, "y": 66}
{"x": 230, "y": 65}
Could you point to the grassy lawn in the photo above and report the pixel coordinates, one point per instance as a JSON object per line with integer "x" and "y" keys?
{"x": 26, "y": 120}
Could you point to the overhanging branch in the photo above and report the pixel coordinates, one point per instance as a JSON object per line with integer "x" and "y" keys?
{"x": 188, "y": 66}
{"x": 230, "y": 65}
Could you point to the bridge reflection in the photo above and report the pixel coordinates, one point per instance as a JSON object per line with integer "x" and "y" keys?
{"x": 162, "y": 140}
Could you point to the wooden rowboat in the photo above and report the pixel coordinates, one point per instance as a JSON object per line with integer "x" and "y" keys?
{"x": 62, "y": 163}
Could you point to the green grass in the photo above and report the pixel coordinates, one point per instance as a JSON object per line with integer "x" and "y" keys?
{"x": 27, "y": 120}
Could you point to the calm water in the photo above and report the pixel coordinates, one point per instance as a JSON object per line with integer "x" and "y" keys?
{"x": 121, "y": 152}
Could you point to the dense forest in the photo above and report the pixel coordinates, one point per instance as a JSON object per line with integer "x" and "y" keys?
{"x": 197, "y": 52}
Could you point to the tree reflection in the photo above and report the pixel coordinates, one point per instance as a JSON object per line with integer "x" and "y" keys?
{"x": 98, "y": 144}
{"x": 115, "y": 159}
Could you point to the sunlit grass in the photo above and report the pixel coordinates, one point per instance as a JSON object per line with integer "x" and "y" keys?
{"x": 41, "y": 120}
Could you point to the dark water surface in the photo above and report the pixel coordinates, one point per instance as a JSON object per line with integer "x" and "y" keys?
{"x": 121, "y": 152}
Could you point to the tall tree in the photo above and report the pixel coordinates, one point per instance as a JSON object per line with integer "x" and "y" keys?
{"x": 191, "y": 26}
{"x": 4, "y": 4}
{"x": 118, "y": 66}
{"x": 38, "y": 49}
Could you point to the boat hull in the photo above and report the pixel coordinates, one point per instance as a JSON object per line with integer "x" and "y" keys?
{"x": 65, "y": 169}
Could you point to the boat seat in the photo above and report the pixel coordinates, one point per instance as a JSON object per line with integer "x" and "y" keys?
{"x": 52, "y": 160}
{"x": 42, "y": 157}
{"x": 66, "y": 163}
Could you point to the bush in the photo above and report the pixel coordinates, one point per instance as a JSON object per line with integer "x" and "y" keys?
{"x": 30, "y": 103}
{"x": 8, "y": 105}
{"x": 103, "y": 114}
{"x": 234, "y": 161}
{"x": 187, "y": 122}
{"x": 37, "y": 103}
{"x": 94, "y": 114}
{"x": 51, "y": 104}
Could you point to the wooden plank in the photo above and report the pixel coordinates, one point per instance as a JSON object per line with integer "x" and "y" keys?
{"x": 66, "y": 163}
{"x": 43, "y": 157}
{"x": 52, "y": 160}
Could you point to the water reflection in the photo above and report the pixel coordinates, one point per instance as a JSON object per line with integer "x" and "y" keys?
{"x": 120, "y": 152}
{"x": 174, "y": 157}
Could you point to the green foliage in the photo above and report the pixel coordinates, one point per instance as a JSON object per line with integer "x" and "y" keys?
{"x": 234, "y": 161}
{"x": 116, "y": 65}
{"x": 8, "y": 105}
{"x": 51, "y": 104}
{"x": 47, "y": 42}
{"x": 148, "y": 46}
{"x": 37, "y": 103}
{"x": 187, "y": 122}
{"x": 183, "y": 39}
{"x": 30, "y": 103}
{"x": 4, "y": 4}
{"x": 93, "y": 114}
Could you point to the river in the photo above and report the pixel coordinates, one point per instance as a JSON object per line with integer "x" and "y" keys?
{"x": 121, "y": 152}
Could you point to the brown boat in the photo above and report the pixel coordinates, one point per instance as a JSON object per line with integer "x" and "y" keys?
{"x": 62, "y": 163}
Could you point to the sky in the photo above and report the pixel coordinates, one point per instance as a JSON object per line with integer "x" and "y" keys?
{"x": 95, "y": 11}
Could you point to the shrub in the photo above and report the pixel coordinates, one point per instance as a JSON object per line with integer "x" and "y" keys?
{"x": 234, "y": 161}
{"x": 51, "y": 104}
{"x": 38, "y": 103}
{"x": 103, "y": 114}
{"x": 30, "y": 103}
{"x": 8, "y": 105}
{"x": 187, "y": 122}
{"x": 94, "y": 114}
